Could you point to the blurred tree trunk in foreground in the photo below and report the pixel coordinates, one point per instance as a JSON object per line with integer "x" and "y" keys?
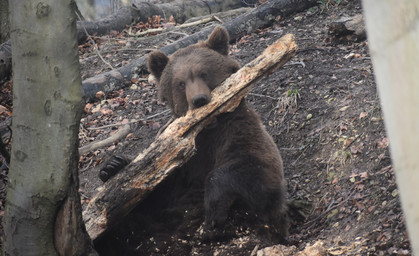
{"x": 393, "y": 32}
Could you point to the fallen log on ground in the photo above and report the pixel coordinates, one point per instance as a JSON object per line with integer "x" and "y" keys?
{"x": 181, "y": 10}
{"x": 120, "y": 134}
{"x": 175, "y": 145}
{"x": 262, "y": 16}
{"x": 348, "y": 29}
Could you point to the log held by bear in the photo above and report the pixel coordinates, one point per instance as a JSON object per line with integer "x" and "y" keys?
{"x": 236, "y": 160}
{"x": 123, "y": 192}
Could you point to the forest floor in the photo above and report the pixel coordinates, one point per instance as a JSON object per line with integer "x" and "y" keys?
{"x": 321, "y": 108}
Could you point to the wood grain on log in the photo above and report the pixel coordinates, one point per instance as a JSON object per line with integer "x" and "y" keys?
{"x": 175, "y": 145}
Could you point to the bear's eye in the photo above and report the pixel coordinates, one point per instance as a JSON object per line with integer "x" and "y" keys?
{"x": 182, "y": 85}
{"x": 203, "y": 76}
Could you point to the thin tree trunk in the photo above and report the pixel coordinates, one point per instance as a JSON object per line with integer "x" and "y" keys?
{"x": 43, "y": 210}
{"x": 392, "y": 28}
{"x": 175, "y": 145}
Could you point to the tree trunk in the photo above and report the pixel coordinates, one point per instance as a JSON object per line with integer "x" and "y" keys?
{"x": 392, "y": 28}
{"x": 4, "y": 21}
{"x": 43, "y": 211}
{"x": 175, "y": 145}
{"x": 262, "y": 16}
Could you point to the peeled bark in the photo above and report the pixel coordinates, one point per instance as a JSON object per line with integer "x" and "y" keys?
{"x": 262, "y": 16}
{"x": 43, "y": 210}
{"x": 175, "y": 145}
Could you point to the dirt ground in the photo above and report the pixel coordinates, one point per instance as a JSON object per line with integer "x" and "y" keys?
{"x": 323, "y": 111}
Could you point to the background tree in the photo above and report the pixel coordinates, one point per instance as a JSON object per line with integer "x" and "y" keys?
{"x": 4, "y": 21}
{"x": 393, "y": 32}
{"x": 43, "y": 212}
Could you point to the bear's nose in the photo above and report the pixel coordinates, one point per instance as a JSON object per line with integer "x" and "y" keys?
{"x": 200, "y": 100}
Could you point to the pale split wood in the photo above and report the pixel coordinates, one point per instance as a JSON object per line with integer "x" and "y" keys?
{"x": 175, "y": 145}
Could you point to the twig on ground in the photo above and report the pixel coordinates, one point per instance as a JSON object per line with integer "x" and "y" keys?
{"x": 185, "y": 25}
{"x": 298, "y": 158}
{"x": 262, "y": 96}
{"x": 350, "y": 144}
{"x": 218, "y": 19}
{"x": 108, "y": 141}
{"x": 296, "y": 63}
{"x": 177, "y": 33}
{"x": 310, "y": 49}
{"x": 87, "y": 166}
{"x": 330, "y": 208}
{"x": 130, "y": 122}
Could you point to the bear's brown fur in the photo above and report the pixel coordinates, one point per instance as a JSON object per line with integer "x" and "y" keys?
{"x": 236, "y": 159}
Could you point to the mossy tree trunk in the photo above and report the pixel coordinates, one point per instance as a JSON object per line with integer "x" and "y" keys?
{"x": 43, "y": 211}
{"x": 393, "y": 32}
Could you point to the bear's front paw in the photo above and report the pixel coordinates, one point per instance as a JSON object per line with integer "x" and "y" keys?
{"x": 112, "y": 167}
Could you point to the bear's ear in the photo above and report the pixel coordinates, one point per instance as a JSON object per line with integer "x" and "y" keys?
{"x": 218, "y": 40}
{"x": 157, "y": 61}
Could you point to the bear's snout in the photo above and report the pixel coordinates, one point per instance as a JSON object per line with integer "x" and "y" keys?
{"x": 200, "y": 100}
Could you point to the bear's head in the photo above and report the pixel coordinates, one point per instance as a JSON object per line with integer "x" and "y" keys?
{"x": 186, "y": 78}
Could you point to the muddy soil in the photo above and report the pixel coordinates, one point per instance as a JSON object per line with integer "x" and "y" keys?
{"x": 323, "y": 111}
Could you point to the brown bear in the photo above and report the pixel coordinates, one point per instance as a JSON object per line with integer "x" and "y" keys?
{"x": 236, "y": 160}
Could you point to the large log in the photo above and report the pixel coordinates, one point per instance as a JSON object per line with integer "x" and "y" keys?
{"x": 262, "y": 16}
{"x": 181, "y": 10}
{"x": 175, "y": 145}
